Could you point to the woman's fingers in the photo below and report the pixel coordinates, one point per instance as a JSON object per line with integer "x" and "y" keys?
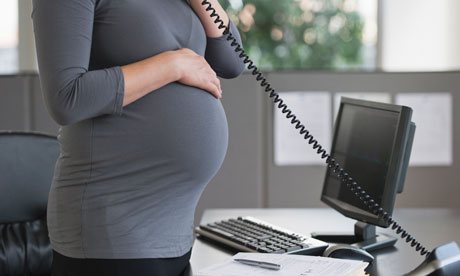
{"x": 216, "y": 82}
{"x": 220, "y": 88}
{"x": 213, "y": 89}
{"x": 196, "y": 71}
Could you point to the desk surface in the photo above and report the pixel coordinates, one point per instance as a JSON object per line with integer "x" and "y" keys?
{"x": 432, "y": 227}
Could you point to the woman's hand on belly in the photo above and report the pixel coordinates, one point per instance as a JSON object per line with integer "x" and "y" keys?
{"x": 183, "y": 65}
{"x": 194, "y": 70}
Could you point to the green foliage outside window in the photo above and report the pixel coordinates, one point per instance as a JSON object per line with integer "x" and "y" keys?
{"x": 298, "y": 34}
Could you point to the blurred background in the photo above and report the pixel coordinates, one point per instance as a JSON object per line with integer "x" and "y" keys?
{"x": 398, "y": 51}
{"x": 338, "y": 35}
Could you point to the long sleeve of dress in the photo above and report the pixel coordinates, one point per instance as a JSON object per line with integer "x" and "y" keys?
{"x": 63, "y": 34}
{"x": 222, "y": 57}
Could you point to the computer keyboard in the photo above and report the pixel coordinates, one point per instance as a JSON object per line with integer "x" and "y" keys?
{"x": 249, "y": 234}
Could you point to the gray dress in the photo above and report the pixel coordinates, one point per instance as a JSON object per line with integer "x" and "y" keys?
{"x": 128, "y": 179}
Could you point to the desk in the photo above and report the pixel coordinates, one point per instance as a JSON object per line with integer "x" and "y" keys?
{"x": 432, "y": 227}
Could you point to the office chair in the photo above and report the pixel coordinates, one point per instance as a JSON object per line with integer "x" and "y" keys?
{"x": 26, "y": 169}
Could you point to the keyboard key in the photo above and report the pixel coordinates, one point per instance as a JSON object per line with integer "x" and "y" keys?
{"x": 239, "y": 240}
{"x": 272, "y": 247}
{"x": 264, "y": 250}
{"x": 253, "y": 246}
{"x": 263, "y": 237}
{"x": 218, "y": 231}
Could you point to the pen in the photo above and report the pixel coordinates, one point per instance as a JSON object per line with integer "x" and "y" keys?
{"x": 266, "y": 265}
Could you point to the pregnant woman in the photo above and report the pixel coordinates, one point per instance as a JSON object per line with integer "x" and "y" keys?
{"x": 133, "y": 84}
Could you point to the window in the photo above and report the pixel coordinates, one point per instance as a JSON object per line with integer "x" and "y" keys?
{"x": 420, "y": 35}
{"x": 307, "y": 34}
{"x": 8, "y": 36}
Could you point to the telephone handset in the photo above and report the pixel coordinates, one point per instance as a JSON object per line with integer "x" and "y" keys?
{"x": 444, "y": 260}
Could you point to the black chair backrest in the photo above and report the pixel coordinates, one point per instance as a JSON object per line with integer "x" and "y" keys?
{"x": 27, "y": 163}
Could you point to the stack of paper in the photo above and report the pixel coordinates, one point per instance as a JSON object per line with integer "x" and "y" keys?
{"x": 291, "y": 265}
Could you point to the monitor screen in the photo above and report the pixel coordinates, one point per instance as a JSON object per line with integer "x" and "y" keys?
{"x": 363, "y": 146}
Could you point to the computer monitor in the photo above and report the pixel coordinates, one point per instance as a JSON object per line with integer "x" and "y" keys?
{"x": 372, "y": 141}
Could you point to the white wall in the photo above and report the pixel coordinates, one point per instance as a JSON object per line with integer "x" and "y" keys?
{"x": 420, "y": 35}
{"x": 26, "y": 47}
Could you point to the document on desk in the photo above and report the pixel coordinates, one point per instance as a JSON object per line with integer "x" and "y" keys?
{"x": 291, "y": 265}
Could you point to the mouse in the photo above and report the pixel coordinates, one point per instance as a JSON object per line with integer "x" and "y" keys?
{"x": 350, "y": 252}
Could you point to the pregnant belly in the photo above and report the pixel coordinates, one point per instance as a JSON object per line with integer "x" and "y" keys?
{"x": 176, "y": 129}
{"x": 123, "y": 179}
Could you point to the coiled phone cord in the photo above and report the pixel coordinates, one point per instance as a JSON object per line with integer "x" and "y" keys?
{"x": 329, "y": 160}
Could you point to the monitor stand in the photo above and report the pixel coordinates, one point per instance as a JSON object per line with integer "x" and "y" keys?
{"x": 365, "y": 237}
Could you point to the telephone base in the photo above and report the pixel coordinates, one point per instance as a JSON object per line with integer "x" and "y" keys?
{"x": 444, "y": 260}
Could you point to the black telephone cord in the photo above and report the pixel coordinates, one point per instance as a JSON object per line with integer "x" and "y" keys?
{"x": 329, "y": 160}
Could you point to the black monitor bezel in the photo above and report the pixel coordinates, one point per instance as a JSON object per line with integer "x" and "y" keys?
{"x": 395, "y": 164}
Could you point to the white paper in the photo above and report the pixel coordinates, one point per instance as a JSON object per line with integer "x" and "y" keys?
{"x": 313, "y": 109}
{"x": 432, "y": 114}
{"x": 291, "y": 265}
{"x": 368, "y": 96}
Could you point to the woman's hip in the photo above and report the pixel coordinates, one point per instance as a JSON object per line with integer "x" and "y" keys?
{"x": 66, "y": 266}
